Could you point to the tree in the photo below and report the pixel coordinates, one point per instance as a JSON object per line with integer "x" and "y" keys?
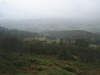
{"x": 11, "y": 44}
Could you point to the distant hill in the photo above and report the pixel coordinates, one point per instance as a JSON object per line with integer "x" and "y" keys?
{"x": 66, "y": 35}
{"x": 5, "y": 32}
{"x": 72, "y": 35}
{"x": 38, "y": 25}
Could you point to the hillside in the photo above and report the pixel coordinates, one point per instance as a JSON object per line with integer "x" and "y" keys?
{"x": 33, "y": 56}
{"x": 72, "y": 35}
{"x": 65, "y": 35}
{"x": 17, "y": 33}
{"x": 26, "y": 64}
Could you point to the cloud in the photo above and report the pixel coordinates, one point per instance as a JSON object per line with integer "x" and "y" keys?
{"x": 74, "y": 9}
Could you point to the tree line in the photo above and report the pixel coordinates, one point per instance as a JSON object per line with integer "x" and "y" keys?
{"x": 78, "y": 50}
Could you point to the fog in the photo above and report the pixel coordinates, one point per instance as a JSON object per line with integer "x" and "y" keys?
{"x": 50, "y": 14}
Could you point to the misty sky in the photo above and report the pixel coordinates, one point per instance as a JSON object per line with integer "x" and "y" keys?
{"x": 50, "y": 14}
{"x": 31, "y": 9}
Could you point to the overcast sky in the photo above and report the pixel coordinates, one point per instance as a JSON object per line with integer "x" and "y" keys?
{"x": 31, "y": 9}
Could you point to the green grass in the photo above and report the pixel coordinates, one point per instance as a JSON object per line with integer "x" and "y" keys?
{"x": 26, "y": 64}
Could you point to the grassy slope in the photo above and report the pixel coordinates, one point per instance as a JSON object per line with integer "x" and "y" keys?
{"x": 25, "y": 64}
